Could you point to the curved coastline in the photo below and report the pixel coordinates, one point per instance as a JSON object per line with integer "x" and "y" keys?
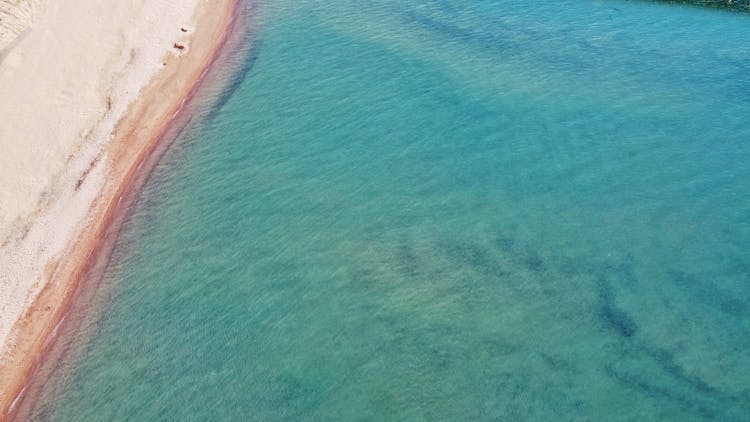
{"x": 140, "y": 137}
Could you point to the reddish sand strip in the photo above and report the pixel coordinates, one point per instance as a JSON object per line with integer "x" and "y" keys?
{"x": 137, "y": 136}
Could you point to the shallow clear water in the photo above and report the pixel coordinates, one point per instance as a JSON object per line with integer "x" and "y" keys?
{"x": 443, "y": 209}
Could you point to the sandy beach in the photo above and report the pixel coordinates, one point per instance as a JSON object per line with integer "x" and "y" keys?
{"x": 87, "y": 89}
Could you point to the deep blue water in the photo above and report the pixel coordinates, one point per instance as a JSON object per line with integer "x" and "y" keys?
{"x": 443, "y": 210}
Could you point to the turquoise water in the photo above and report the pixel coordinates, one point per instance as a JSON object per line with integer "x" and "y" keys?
{"x": 442, "y": 210}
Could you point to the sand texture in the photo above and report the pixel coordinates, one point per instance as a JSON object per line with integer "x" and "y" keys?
{"x": 16, "y": 17}
{"x": 85, "y": 92}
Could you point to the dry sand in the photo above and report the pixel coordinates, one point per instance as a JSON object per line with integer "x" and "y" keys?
{"x": 86, "y": 89}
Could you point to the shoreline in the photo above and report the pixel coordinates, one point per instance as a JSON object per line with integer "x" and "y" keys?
{"x": 140, "y": 137}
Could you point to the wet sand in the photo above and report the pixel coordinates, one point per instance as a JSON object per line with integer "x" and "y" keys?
{"x": 52, "y": 276}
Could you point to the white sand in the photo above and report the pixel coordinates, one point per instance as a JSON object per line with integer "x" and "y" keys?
{"x": 16, "y": 17}
{"x": 64, "y": 85}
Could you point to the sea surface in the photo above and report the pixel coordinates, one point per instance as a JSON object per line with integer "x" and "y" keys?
{"x": 441, "y": 210}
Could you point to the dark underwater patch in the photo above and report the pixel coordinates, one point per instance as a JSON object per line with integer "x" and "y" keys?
{"x": 534, "y": 263}
{"x": 474, "y": 256}
{"x": 406, "y": 260}
{"x": 505, "y": 243}
{"x": 667, "y": 362}
{"x": 614, "y": 317}
{"x": 705, "y": 292}
{"x": 634, "y": 382}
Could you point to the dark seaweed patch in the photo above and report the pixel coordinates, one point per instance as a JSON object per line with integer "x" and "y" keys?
{"x": 625, "y": 271}
{"x": 658, "y": 392}
{"x": 499, "y": 347}
{"x": 530, "y": 259}
{"x": 611, "y": 314}
{"x": 706, "y": 293}
{"x": 476, "y": 257}
{"x": 557, "y": 363}
{"x": 666, "y": 361}
{"x": 569, "y": 267}
{"x": 505, "y": 244}
{"x": 534, "y": 263}
{"x": 406, "y": 260}
{"x": 483, "y": 40}
{"x": 619, "y": 320}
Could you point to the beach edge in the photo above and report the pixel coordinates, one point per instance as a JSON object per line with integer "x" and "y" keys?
{"x": 136, "y": 137}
